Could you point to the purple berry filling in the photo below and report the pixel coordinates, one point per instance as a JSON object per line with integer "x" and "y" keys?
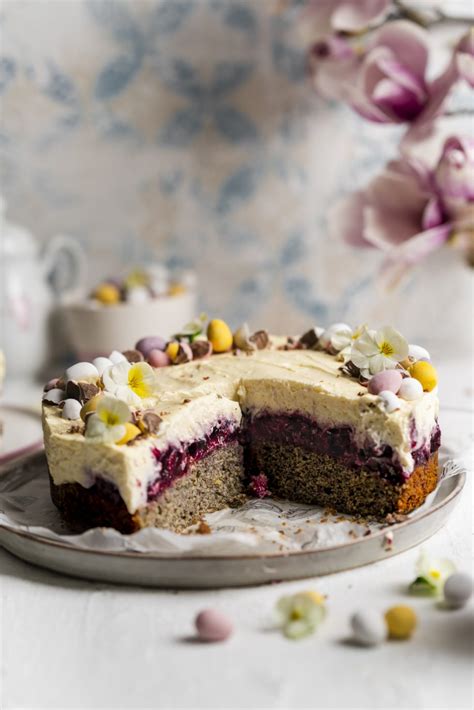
{"x": 174, "y": 462}
{"x": 296, "y": 429}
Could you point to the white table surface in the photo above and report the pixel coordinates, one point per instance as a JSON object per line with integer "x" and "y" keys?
{"x": 67, "y": 643}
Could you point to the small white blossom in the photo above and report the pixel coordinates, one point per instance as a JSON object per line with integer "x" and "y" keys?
{"x": 375, "y": 351}
{"x": 130, "y": 382}
{"x": 107, "y": 424}
{"x": 300, "y": 614}
{"x": 431, "y": 574}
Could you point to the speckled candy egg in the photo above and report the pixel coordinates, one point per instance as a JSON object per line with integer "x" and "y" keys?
{"x": 102, "y": 363}
{"x": 369, "y": 627}
{"x": 388, "y": 381}
{"x": 82, "y": 372}
{"x": 212, "y": 625}
{"x": 416, "y": 352}
{"x": 401, "y": 622}
{"x": 157, "y": 358}
{"x": 410, "y": 389}
{"x": 71, "y": 409}
{"x": 220, "y": 335}
{"x": 151, "y": 342}
{"x": 458, "y": 589}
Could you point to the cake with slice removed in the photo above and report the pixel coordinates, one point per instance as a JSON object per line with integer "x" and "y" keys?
{"x": 339, "y": 418}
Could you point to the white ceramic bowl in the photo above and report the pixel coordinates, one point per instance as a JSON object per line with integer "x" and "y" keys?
{"x": 94, "y": 329}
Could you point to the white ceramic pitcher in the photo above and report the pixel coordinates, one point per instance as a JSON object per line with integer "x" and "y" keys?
{"x": 32, "y": 283}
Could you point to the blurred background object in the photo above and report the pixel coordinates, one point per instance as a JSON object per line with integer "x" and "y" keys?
{"x": 187, "y": 132}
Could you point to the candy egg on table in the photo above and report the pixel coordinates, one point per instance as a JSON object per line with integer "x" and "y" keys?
{"x": 220, "y": 335}
{"x": 425, "y": 373}
{"x": 458, "y": 589}
{"x": 151, "y": 342}
{"x": 388, "y": 381}
{"x": 401, "y": 622}
{"x": 369, "y": 627}
{"x": 213, "y": 625}
{"x": 71, "y": 409}
{"x": 410, "y": 389}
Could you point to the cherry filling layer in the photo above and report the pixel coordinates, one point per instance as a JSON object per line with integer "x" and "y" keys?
{"x": 174, "y": 461}
{"x": 338, "y": 442}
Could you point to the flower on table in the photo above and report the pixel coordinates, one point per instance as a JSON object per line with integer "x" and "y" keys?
{"x": 300, "y": 614}
{"x": 108, "y": 422}
{"x": 375, "y": 351}
{"x": 130, "y": 382}
{"x": 431, "y": 574}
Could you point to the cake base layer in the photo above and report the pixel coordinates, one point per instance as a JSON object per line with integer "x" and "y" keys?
{"x": 212, "y": 483}
{"x": 318, "y": 479}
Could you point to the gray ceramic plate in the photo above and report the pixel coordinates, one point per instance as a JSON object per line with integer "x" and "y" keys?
{"x": 239, "y": 570}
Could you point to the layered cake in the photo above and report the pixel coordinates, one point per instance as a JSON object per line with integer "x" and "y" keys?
{"x": 166, "y": 432}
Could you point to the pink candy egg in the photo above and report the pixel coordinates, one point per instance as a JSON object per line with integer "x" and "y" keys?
{"x": 157, "y": 358}
{"x": 212, "y": 625}
{"x": 388, "y": 380}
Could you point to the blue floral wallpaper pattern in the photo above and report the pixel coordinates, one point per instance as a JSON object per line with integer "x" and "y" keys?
{"x": 186, "y": 130}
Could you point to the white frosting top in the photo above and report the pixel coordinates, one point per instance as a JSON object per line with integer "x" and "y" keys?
{"x": 190, "y": 398}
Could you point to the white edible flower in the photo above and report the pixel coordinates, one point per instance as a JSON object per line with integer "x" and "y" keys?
{"x": 431, "y": 574}
{"x": 130, "y": 382}
{"x": 300, "y": 614}
{"x": 375, "y": 351}
{"x": 108, "y": 421}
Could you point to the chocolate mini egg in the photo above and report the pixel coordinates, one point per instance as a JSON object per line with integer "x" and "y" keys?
{"x": 425, "y": 373}
{"x": 107, "y": 293}
{"x": 102, "y": 363}
{"x": 157, "y": 358}
{"x": 151, "y": 342}
{"x": 401, "y": 621}
{"x": 369, "y": 627}
{"x": 54, "y": 396}
{"x": 71, "y": 409}
{"x": 458, "y": 589}
{"x": 390, "y": 400}
{"x": 416, "y": 352}
{"x": 410, "y": 389}
{"x": 82, "y": 372}
{"x": 212, "y": 625}
{"x": 220, "y": 335}
{"x": 388, "y": 381}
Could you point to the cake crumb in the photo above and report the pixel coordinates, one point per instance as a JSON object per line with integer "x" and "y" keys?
{"x": 203, "y": 528}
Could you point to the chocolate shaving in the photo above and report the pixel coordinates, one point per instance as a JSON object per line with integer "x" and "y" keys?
{"x": 133, "y": 355}
{"x": 76, "y": 429}
{"x": 73, "y": 391}
{"x": 260, "y": 338}
{"x": 309, "y": 339}
{"x": 201, "y": 348}
{"x": 88, "y": 390}
{"x": 149, "y": 423}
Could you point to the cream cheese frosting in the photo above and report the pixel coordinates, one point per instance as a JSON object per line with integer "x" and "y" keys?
{"x": 192, "y": 397}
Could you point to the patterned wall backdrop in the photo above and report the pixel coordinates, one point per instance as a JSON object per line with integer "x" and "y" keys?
{"x": 187, "y": 130}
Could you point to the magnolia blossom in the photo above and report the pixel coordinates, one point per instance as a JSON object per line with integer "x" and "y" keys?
{"x": 411, "y": 209}
{"x": 375, "y": 351}
{"x": 347, "y": 15}
{"x": 385, "y": 81}
{"x": 431, "y": 574}
{"x": 108, "y": 422}
{"x": 130, "y": 382}
{"x": 300, "y": 614}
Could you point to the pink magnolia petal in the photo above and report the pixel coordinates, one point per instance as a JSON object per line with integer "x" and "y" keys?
{"x": 420, "y": 245}
{"x": 407, "y": 41}
{"x": 399, "y": 73}
{"x": 433, "y": 214}
{"x": 396, "y": 101}
{"x": 398, "y": 192}
{"x": 385, "y": 229}
{"x": 356, "y": 14}
{"x": 346, "y": 220}
{"x": 465, "y": 67}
